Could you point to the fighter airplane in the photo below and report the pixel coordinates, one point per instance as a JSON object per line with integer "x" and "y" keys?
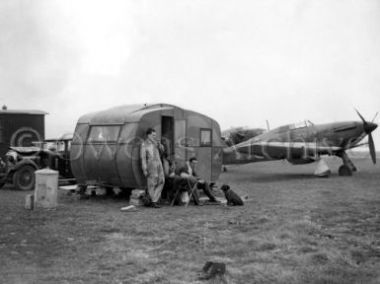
{"x": 304, "y": 143}
{"x": 236, "y": 135}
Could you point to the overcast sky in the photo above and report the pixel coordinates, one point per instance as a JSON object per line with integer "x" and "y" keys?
{"x": 240, "y": 62}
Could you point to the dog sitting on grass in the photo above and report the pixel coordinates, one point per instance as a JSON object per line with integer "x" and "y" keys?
{"x": 232, "y": 198}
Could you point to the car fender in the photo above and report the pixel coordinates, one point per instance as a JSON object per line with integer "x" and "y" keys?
{"x": 23, "y": 163}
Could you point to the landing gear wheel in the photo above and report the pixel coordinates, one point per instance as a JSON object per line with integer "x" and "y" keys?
{"x": 24, "y": 178}
{"x": 345, "y": 171}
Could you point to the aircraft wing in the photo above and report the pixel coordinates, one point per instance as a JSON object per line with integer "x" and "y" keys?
{"x": 265, "y": 147}
{"x": 298, "y": 145}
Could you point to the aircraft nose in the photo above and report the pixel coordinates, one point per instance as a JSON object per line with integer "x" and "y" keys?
{"x": 370, "y": 127}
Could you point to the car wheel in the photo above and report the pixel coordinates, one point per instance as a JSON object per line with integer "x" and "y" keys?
{"x": 24, "y": 178}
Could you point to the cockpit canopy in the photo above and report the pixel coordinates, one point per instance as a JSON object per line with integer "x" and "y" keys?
{"x": 301, "y": 124}
{"x": 298, "y": 125}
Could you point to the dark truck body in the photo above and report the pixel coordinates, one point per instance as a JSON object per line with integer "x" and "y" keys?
{"x": 21, "y": 155}
{"x": 19, "y": 128}
{"x": 21, "y": 162}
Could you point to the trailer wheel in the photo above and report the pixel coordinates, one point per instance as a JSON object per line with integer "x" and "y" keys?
{"x": 126, "y": 192}
{"x": 24, "y": 178}
{"x": 109, "y": 191}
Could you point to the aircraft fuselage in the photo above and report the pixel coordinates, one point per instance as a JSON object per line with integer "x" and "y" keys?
{"x": 298, "y": 143}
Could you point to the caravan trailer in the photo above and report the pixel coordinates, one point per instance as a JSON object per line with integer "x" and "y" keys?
{"x": 106, "y": 144}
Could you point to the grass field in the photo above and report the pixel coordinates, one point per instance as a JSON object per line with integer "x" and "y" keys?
{"x": 295, "y": 228}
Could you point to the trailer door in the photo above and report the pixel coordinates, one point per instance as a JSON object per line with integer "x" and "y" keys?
{"x": 180, "y": 141}
{"x": 204, "y": 154}
{"x": 167, "y": 135}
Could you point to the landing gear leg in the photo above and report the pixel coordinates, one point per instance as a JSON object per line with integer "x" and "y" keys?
{"x": 348, "y": 166}
{"x": 347, "y": 161}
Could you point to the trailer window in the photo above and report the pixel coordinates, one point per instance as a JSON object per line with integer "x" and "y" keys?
{"x": 104, "y": 133}
{"x": 206, "y": 137}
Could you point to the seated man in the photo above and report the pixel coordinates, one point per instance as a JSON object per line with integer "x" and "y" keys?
{"x": 169, "y": 177}
{"x": 188, "y": 171}
{"x": 175, "y": 184}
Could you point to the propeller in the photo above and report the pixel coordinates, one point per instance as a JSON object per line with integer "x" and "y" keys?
{"x": 373, "y": 119}
{"x": 368, "y": 128}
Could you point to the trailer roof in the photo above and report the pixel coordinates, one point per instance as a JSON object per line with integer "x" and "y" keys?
{"x": 23, "y": 111}
{"x": 126, "y": 113}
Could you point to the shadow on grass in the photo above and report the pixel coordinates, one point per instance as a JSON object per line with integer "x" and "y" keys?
{"x": 283, "y": 177}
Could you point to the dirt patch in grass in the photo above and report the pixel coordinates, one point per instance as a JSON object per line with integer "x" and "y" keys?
{"x": 294, "y": 228}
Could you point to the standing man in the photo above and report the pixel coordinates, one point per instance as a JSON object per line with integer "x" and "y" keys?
{"x": 152, "y": 166}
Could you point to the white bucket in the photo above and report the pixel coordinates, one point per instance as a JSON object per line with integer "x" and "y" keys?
{"x": 46, "y": 189}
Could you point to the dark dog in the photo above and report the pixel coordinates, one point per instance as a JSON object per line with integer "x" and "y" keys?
{"x": 232, "y": 198}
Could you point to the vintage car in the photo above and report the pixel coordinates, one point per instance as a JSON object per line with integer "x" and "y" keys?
{"x": 21, "y": 163}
